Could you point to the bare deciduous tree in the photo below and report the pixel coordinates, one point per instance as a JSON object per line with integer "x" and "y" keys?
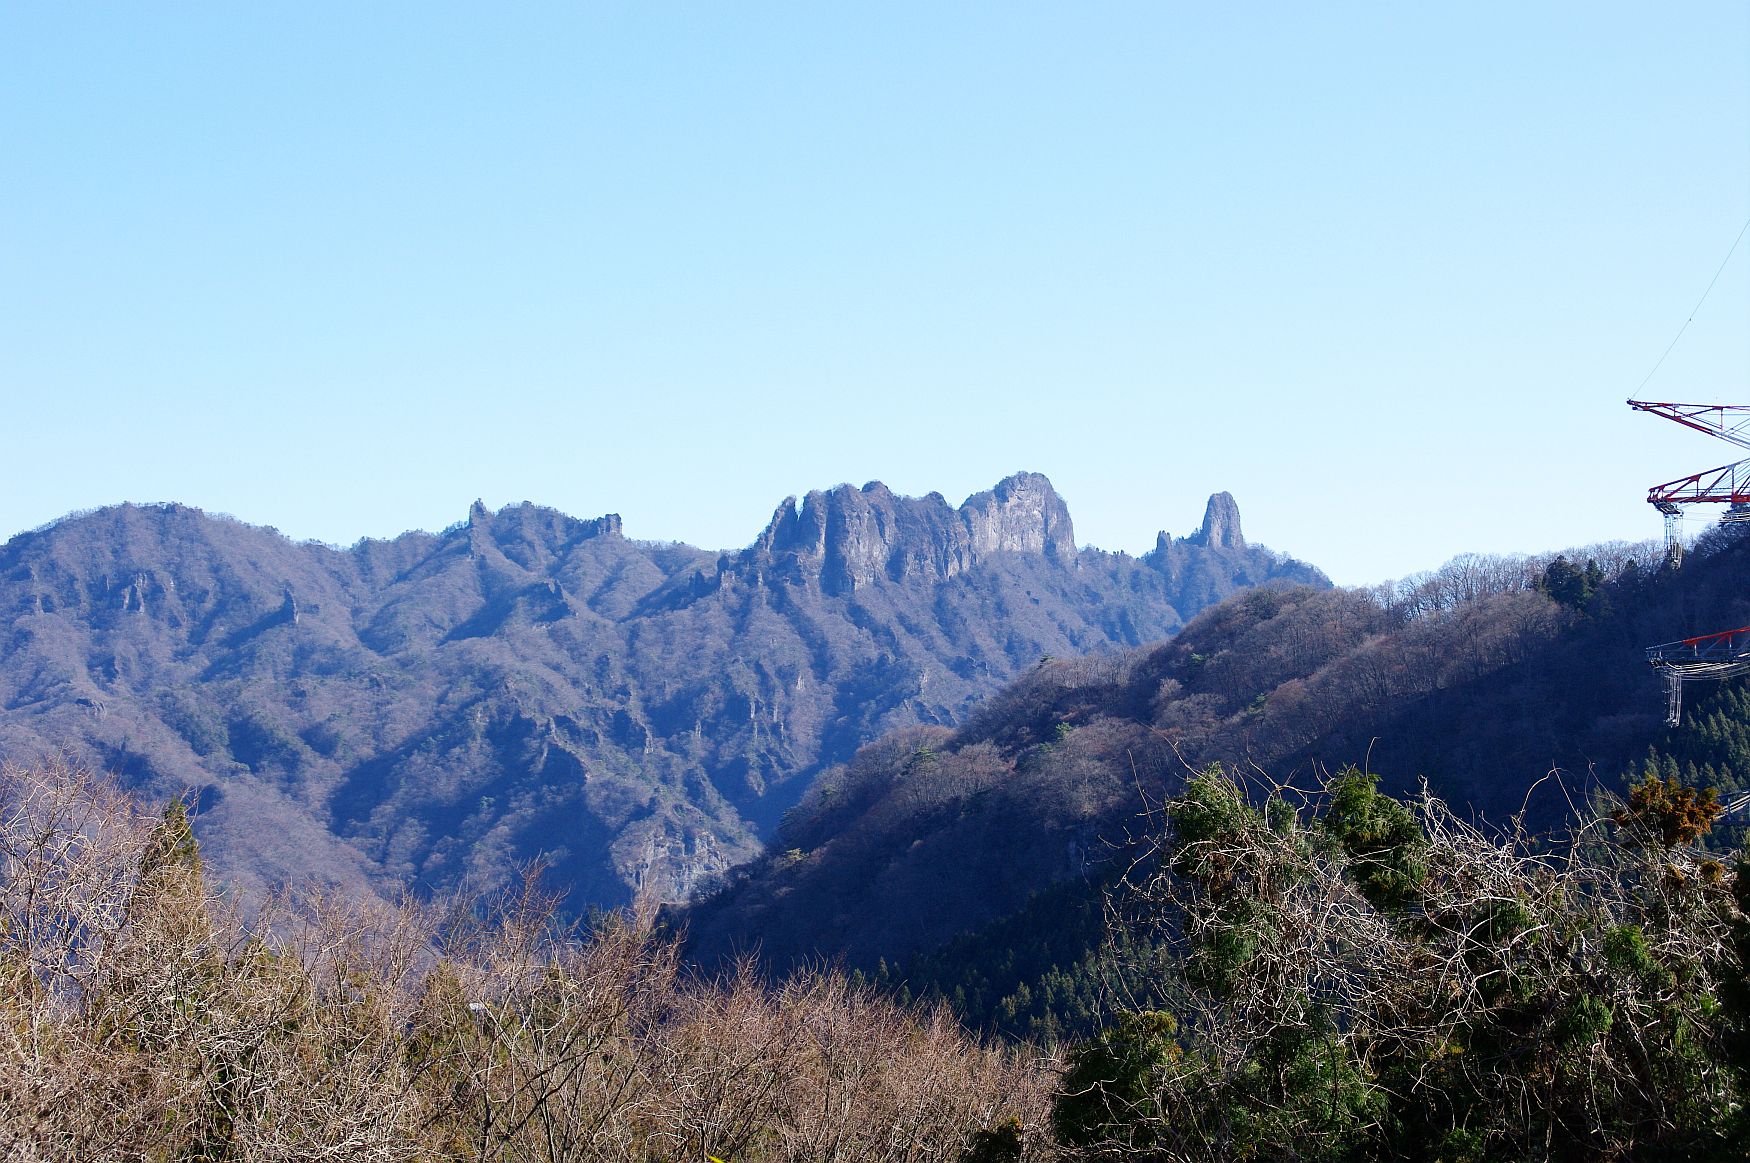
{"x": 142, "y": 1017}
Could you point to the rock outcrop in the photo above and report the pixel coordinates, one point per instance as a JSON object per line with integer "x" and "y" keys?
{"x": 1221, "y": 524}
{"x": 849, "y": 538}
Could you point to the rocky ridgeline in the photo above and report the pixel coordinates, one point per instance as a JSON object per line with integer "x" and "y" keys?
{"x": 850, "y": 537}
{"x": 441, "y": 708}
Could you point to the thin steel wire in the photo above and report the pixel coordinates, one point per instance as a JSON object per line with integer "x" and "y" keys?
{"x": 1693, "y": 311}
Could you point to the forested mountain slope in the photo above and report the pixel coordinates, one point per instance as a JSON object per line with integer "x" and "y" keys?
{"x": 443, "y": 708}
{"x": 1483, "y": 678}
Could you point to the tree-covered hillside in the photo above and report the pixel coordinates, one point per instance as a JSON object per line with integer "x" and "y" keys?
{"x": 441, "y": 709}
{"x": 1483, "y": 678}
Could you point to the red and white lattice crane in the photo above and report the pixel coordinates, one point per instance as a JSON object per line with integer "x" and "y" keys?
{"x": 1727, "y": 653}
{"x": 1727, "y": 485}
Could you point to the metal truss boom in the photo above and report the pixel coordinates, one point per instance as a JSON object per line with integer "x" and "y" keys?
{"x": 1729, "y": 422}
{"x": 1728, "y": 484}
{"x": 1727, "y": 645}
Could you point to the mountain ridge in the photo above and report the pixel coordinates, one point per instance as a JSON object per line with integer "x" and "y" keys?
{"x": 1483, "y": 678}
{"x": 435, "y": 709}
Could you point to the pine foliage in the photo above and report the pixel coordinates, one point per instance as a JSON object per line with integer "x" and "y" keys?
{"x": 1372, "y": 979}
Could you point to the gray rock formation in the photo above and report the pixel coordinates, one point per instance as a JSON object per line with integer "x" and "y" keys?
{"x": 1023, "y": 514}
{"x": 1221, "y": 524}
{"x": 849, "y": 538}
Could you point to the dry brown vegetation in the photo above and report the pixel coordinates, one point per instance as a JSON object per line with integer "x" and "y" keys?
{"x": 142, "y": 1017}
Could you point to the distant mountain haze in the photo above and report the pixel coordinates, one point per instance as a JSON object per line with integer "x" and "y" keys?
{"x": 438, "y": 710}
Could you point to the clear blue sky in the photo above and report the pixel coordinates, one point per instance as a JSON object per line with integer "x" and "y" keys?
{"x": 1386, "y": 272}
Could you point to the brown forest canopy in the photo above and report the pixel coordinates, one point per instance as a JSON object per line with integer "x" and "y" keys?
{"x": 1481, "y": 677}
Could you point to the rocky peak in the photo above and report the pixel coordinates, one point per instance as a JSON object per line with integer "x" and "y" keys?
{"x": 849, "y": 537}
{"x": 1221, "y": 524}
{"x": 607, "y": 525}
{"x": 796, "y": 531}
{"x": 1023, "y": 514}
{"x": 531, "y": 536}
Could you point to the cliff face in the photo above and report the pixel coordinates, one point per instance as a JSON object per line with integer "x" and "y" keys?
{"x": 1221, "y": 525}
{"x": 442, "y": 708}
{"x": 849, "y": 538}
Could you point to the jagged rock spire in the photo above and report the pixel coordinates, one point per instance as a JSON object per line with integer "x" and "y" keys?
{"x": 1221, "y": 524}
